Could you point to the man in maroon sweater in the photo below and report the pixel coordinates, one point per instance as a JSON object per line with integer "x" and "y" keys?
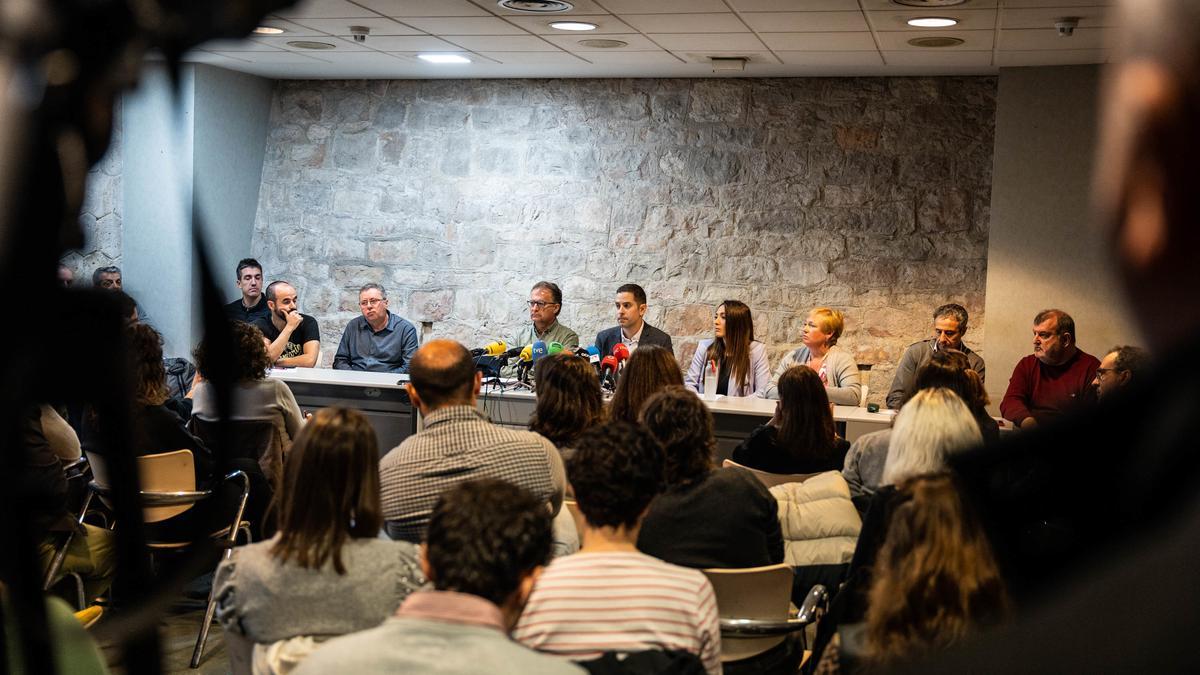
{"x": 1054, "y": 377}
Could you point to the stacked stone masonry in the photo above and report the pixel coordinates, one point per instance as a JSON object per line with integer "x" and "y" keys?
{"x": 100, "y": 216}
{"x": 867, "y": 194}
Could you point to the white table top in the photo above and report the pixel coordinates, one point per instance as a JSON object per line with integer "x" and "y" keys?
{"x": 356, "y": 378}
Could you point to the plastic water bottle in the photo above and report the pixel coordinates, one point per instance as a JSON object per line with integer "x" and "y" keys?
{"x": 710, "y": 381}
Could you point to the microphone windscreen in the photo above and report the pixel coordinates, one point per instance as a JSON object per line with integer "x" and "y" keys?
{"x": 496, "y": 348}
{"x": 527, "y": 353}
{"x": 609, "y": 363}
{"x": 593, "y": 350}
{"x": 620, "y": 351}
{"x": 515, "y": 351}
{"x": 554, "y": 348}
{"x": 539, "y": 350}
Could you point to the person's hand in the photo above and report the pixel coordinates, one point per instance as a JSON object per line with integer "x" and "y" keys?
{"x": 294, "y": 319}
{"x": 1028, "y": 423}
{"x": 196, "y": 379}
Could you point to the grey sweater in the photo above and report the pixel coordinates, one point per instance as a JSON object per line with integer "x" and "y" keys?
{"x": 267, "y": 601}
{"x": 842, "y": 381}
{"x": 863, "y": 469}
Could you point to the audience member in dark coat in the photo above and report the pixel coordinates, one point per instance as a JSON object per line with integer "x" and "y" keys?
{"x": 801, "y": 437}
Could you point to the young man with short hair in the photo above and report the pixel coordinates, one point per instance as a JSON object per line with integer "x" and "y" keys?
{"x": 251, "y": 306}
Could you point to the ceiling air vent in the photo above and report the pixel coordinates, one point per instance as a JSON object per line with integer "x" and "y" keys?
{"x": 306, "y": 44}
{"x": 537, "y": 6}
{"x": 935, "y": 42}
{"x": 927, "y": 4}
{"x": 599, "y": 43}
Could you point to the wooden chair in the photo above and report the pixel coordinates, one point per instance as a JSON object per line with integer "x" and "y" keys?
{"x": 767, "y": 478}
{"x": 754, "y": 605}
{"x": 168, "y": 482}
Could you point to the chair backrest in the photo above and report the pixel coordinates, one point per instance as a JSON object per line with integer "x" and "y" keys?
{"x": 762, "y": 593}
{"x": 165, "y": 472}
{"x": 259, "y": 440}
{"x": 767, "y": 478}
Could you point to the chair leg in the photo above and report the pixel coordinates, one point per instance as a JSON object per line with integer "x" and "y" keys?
{"x": 80, "y": 592}
{"x": 57, "y": 562}
{"x": 234, "y": 528}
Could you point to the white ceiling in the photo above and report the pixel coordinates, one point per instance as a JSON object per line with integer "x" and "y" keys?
{"x": 666, "y": 38}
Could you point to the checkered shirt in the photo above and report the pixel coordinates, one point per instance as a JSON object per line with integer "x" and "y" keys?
{"x": 459, "y": 444}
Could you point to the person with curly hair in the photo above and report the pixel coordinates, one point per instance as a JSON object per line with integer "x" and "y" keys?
{"x": 649, "y": 370}
{"x": 706, "y": 517}
{"x": 594, "y": 601}
{"x": 568, "y": 399}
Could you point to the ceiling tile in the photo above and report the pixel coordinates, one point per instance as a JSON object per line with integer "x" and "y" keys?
{"x": 540, "y": 25}
{"x": 707, "y": 41}
{"x": 889, "y": 5}
{"x": 664, "y": 6}
{"x": 378, "y": 26}
{"x": 941, "y": 58}
{"x": 581, "y": 7}
{"x": 726, "y": 22}
{"x": 636, "y": 43}
{"x": 819, "y": 42}
{"x": 423, "y": 7}
{"x": 968, "y": 19}
{"x": 974, "y": 40}
{"x": 1048, "y": 38}
{"x": 361, "y": 58}
{"x": 344, "y": 45}
{"x": 247, "y": 45}
{"x": 751, "y": 56}
{"x": 537, "y": 58}
{"x": 1089, "y": 17}
{"x": 227, "y": 60}
{"x": 270, "y": 57}
{"x": 415, "y": 43}
{"x": 501, "y": 43}
{"x": 806, "y": 22}
{"x": 1052, "y": 57}
{"x": 325, "y": 9}
{"x": 1055, "y": 3}
{"x": 294, "y": 28}
{"x": 613, "y": 57}
{"x": 870, "y": 58}
{"x": 465, "y": 26}
{"x": 793, "y": 5}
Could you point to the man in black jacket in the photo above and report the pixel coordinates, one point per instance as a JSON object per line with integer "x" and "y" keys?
{"x": 631, "y": 327}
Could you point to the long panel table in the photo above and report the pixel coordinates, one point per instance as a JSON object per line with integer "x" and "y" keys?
{"x": 381, "y": 397}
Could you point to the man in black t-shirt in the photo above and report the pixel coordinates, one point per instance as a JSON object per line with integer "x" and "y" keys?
{"x": 251, "y": 306}
{"x": 293, "y": 339}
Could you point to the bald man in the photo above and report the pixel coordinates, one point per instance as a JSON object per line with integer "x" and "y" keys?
{"x": 457, "y": 444}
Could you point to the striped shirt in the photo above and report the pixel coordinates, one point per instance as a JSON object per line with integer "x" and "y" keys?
{"x": 588, "y": 603}
{"x": 459, "y": 444}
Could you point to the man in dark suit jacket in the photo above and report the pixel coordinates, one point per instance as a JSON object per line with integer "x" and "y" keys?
{"x": 631, "y": 328}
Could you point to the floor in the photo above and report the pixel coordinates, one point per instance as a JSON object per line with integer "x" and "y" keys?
{"x": 178, "y": 633}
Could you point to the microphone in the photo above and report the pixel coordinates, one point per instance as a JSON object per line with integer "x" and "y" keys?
{"x": 593, "y": 356}
{"x": 621, "y": 352}
{"x": 496, "y": 348}
{"x": 554, "y": 348}
{"x": 607, "y": 367}
{"x": 539, "y": 350}
{"x": 526, "y": 363}
{"x": 526, "y": 353}
{"x": 512, "y": 353}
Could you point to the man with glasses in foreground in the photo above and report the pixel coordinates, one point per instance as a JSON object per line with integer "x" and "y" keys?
{"x": 377, "y": 341}
{"x": 1120, "y": 366}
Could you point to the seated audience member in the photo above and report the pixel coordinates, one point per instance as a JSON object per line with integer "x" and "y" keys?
{"x": 63, "y": 440}
{"x": 936, "y": 581}
{"x": 820, "y": 352}
{"x": 378, "y": 341}
{"x": 631, "y": 329}
{"x": 593, "y": 602}
{"x": 326, "y": 572}
{"x": 92, "y": 550}
{"x": 801, "y": 437}
{"x": 648, "y": 371}
{"x": 109, "y": 279}
{"x": 733, "y": 355}
{"x": 863, "y": 468}
{"x": 1056, "y": 376}
{"x": 457, "y": 444}
{"x": 569, "y": 401}
{"x": 487, "y": 541}
{"x": 255, "y": 396}
{"x": 66, "y": 276}
{"x": 251, "y": 306}
{"x": 949, "y": 326}
{"x": 72, "y": 648}
{"x": 293, "y": 339}
{"x": 705, "y": 517}
{"x": 1119, "y": 367}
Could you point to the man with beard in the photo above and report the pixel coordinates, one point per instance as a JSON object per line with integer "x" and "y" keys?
{"x": 293, "y": 339}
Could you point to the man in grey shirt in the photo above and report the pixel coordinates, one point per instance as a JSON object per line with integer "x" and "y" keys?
{"x": 949, "y": 327}
{"x": 378, "y": 341}
{"x": 487, "y": 542}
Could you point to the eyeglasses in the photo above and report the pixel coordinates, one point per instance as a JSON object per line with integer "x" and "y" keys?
{"x": 371, "y": 302}
{"x": 1101, "y": 372}
{"x": 540, "y": 303}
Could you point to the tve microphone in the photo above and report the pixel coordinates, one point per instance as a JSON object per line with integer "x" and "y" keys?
{"x": 539, "y": 350}
{"x": 553, "y": 348}
{"x": 496, "y": 348}
{"x": 593, "y": 353}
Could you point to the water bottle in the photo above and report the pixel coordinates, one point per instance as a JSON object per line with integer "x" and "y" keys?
{"x": 710, "y": 381}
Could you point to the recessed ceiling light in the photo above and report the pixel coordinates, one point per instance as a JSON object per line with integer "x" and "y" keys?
{"x": 268, "y": 30}
{"x": 572, "y": 25}
{"x": 936, "y": 42}
{"x": 537, "y": 6}
{"x": 308, "y": 44}
{"x": 933, "y": 22}
{"x": 603, "y": 44}
{"x": 443, "y": 58}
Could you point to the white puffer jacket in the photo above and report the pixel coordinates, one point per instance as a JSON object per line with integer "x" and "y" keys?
{"x": 819, "y": 522}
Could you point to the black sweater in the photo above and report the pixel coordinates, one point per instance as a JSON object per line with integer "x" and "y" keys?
{"x": 761, "y": 451}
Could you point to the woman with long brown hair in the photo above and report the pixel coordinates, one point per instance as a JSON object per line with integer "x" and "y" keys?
{"x": 326, "y": 572}
{"x": 649, "y": 370}
{"x": 568, "y": 399}
{"x": 738, "y": 362}
{"x": 801, "y": 437}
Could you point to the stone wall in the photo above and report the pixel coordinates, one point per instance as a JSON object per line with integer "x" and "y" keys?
{"x": 866, "y": 194}
{"x": 100, "y": 217}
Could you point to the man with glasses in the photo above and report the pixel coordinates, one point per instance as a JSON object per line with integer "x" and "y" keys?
{"x": 377, "y": 341}
{"x": 1120, "y": 366}
{"x": 545, "y": 302}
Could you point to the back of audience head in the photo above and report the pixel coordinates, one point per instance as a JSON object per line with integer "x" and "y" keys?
{"x": 683, "y": 425}
{"x": 330, "y": 490}
{"x": 442, "y": 374}
{"x": 487, "y": 538}
{"x": 128, "y": 307}
{"x": 248, "y": 352}
{"x": 650, "y": 368}
{"x": 145, "y": 356}
{"x": 616, "y": 470}
{"x": 934, "y": 424}
{"x": 1120, "y": 366}
{"x": 805, "y": 419}
{"x": 935, "y": 579}
{"x": 950, "y": 369}
{"x": 568, "y": 398}
{"x": 66, "y": 276}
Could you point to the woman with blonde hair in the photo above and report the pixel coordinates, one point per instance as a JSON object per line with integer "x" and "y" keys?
{"x": 934, "y": 424}
{"x": 738, "y": 361}
{"x": 820, "y": 351}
